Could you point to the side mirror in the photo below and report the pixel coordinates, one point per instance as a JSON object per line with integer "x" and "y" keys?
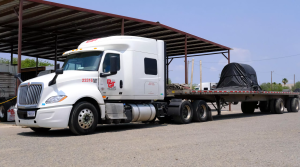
{"x": 113, "y": 65}
{"x": 18, "y": 76}
{"x": 59, "y": 71}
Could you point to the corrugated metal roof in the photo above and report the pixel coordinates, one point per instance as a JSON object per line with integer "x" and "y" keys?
{"x": 43, "y": 20}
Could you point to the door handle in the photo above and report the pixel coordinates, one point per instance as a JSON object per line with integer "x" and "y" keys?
{"x": 121, "y": 84}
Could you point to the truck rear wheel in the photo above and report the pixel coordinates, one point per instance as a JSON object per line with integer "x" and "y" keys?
{"x": 84, "y": 118}
{"x": 279, "y": 106}
{"x": 185, "y": 113}
{"x": 248, "y": 107}
{"x": 3, "y": 111}
{"x": 200, "y": 110}
{"x": 264, "y": 106}
{"x": 40, "y": 130}
{"x": 294, "y": 105}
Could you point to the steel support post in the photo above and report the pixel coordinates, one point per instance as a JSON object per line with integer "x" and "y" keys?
{"x": 122, "y": 27}
{"x": 55, "y": 61}
{"x": 228, "y": 63}
{"x": 185, "y": 61}
{"x": 167, "y": 64}
{"x": 36, "y": 66}
{"x": 12, "y": 54}
{"x": 20, "y": 37}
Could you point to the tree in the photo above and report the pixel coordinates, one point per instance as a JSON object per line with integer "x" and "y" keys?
{"x": 26, "y": 63}
{"x": 297, "y": 85}
{"x": 275, "y": 87}
{"x": 169, "y": 81}
{"x": 284, "y": 81}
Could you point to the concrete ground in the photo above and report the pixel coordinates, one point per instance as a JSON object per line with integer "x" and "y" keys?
{"x": 232, "y": 139}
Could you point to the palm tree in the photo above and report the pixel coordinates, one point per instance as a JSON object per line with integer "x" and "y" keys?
{"x": 284, "y": 81}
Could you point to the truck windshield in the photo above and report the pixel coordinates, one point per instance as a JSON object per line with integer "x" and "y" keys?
{"x": 84, "y": 61}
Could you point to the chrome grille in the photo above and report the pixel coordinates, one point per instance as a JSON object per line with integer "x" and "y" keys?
{"x": 30, "y": 95}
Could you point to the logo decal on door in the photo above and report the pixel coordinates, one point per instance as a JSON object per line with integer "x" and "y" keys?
{"x": 111, "y": 84}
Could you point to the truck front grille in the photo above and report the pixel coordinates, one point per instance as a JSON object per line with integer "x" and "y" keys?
{"x": 30, "y": 95}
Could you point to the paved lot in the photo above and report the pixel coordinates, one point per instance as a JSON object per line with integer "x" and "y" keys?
{"x": 233, "y": 139}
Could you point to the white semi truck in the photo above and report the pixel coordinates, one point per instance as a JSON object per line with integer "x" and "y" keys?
{"x": 122, "y": 79}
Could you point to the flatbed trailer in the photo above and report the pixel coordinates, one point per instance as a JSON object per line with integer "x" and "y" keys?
{"x": 221, "y": 98}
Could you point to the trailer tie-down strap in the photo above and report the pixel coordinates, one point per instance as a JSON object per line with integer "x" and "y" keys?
{"x": 8, "y": 100}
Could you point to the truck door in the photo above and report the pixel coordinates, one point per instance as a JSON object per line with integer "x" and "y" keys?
{"x": 111, "y": 86}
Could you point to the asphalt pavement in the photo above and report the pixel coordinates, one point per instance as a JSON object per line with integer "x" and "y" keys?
{"x": 232, "y": 139}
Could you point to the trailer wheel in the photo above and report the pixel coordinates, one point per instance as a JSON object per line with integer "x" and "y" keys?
{"x": 201, "y": 110}
{"x": 279, "y": 106}
{"x": 40, "y": 130}
{"x": 264, "y": 107}
{"x": 248, "y": 107}
{"x": 3, "y": 111}
{"x": 83, "y": 119}
{"x": 185, "y": 113}
{"x": 294, "y": 104}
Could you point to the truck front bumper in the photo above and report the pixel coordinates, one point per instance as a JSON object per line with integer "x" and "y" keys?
{"x": 54, "y": 117}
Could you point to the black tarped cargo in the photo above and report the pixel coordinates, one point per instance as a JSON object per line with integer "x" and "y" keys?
{"x": 236, "y": 76}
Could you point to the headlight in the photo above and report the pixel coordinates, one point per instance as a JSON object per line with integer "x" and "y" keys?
{"x": 55, "y": 99}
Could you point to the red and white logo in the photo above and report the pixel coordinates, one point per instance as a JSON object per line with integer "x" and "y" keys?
{"x": 110, "y": 83}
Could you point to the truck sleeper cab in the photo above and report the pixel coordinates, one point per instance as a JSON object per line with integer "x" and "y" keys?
{"x": 107, "y": 80}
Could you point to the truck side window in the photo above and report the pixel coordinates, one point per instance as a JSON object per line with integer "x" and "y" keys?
{"x": 106, "y": 63}
{"x": 150, "y": 66}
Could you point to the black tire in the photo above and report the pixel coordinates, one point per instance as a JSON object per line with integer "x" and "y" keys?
{"x": 200, "y": 110}
{"x": 288, "y": 105}
{"x": 264, "y": 106}
{"x": 279, "y": 106}
{"x": 248, "y": 107}
{"x": 87, "y": 114}
{"x": 185, "y": 113}
{"x": 294, "y": 105}
{"x": 3, "y": 109}
{"x": 40, "y": 130}
{"x": 272, "y": 106}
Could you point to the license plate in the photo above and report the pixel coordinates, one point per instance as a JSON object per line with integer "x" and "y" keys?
{"x": 30, "y": 113}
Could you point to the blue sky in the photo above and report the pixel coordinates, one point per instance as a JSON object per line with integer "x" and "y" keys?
{"x": 254, "y": 29}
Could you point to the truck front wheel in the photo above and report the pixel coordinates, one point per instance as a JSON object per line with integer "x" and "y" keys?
{"x": 83, "y": 119}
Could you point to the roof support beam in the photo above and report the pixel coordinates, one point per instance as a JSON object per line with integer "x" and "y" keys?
{"x": 20, "y": 37}
{"x": 122, "y": 27}
{"x": 225, "y": 56}
{"x": 55, "y": 59}
{"x": 185, "y": 60}
{"x": 196, "y": 55}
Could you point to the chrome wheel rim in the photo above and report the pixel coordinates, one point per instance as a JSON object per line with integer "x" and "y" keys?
{"x": 187, "y": 112}
{"x": 1, "y": 112}
{"x": 202, "y": 111}
{"x": 85, "y": 118}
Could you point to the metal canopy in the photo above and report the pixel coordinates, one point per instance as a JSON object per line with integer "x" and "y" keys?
{"x": 43, "y": 22}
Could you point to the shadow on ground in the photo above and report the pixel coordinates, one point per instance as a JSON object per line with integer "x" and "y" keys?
{"x": 242, "y": 115}
{"x": 99, "y": 129}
